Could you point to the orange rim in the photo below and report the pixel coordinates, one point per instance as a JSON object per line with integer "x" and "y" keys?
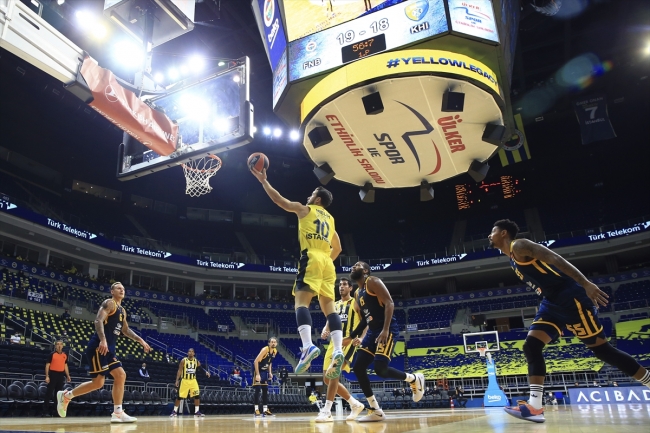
{"x": 215, "y": 157}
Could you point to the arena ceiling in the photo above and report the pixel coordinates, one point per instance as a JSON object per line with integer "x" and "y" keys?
{"x": 53, "y": 128}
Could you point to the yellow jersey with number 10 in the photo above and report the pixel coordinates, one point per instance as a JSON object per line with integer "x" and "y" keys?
{"x": 315, "y": 231}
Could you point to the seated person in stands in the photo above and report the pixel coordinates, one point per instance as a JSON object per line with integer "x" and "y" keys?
{"x": 397, "y": 392}
{"x": 614, "y": 383}
{"x": 577, "y": 385}
{"x": 460, "y": 397}
{"x": 596, "y": 384}
{"x": 435, "y": 390}
{"x": 236, "y": 374}
{"x": 144, "y": 373}
{"x": 15, "y": 339}
{"x": 65, "y": 315}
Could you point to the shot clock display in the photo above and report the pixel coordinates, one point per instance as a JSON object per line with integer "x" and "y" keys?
{"x": 386, "y": 29}
{"x": 363, "y": 48}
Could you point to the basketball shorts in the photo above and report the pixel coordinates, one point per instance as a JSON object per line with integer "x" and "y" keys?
{"x": 101, "y": 364}
{"x": 380, "y": 351}
{"x": 189, "y": 389}
{"x": 316, "y": 272}
{"x": 264, "y": 379}
{"x": 579, "y": 316}
{"x": 348, "y": 351}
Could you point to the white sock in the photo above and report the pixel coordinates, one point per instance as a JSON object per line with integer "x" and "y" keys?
{"x": 646, "y": 379}
{"x": 536, "y": 394}
{"x": 328, "y": 406}
{"x": 410, "y": 377}
{"x": 69, "y": 394}
{"x": 352, "y": 401}
{"x": 337, "y": 339}
{"x": 196, "y": 409}
{"x": 117, "y": 408}
{"x": 372, "y": 401}
{"x": 176, "y": 409}
{"x": 265, "y": 408}
{"x": 305, "y": 336}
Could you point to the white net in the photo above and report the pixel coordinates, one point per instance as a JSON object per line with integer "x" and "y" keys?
{"x": 198, "y": 173}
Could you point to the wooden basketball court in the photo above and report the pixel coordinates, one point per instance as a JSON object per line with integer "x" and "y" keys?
{"x": 624, "y": 418}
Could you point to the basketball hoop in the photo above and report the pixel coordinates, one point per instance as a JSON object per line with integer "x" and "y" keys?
{"x": 481, "y": 351}
{"x": 198, "y": 173}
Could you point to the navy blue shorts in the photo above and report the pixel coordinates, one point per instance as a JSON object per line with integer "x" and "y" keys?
{"x": 380, "y": 351}
{"x": 101, "y": 364}
{"x": 264, "y": 378}
{"x": 579, "y": 315}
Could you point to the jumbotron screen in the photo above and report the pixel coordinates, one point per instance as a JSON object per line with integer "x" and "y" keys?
{"x": 306, "y": 17}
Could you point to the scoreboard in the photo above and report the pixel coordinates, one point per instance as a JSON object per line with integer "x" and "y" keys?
{"x": 386, "y": 29}
{"x": 469, "y": 196}
{"x": 348, "y": 72}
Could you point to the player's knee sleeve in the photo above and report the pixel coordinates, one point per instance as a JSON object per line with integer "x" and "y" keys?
{"x": 621, "y": 360}
{"x": 533, "y": 350}
{"x": 381, "y": 368}
{"x": 334, "y": 322}
{"x": 303, "y": 317}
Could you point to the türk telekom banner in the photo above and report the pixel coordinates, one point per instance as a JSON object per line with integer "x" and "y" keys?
{"x": 126, "y": 111}
{"x": 618, "y": 394}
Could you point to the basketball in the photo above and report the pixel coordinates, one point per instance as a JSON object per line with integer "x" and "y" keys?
{"x": 258, "y": 161}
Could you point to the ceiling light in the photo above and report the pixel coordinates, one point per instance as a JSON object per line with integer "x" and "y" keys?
{"x": 128, "y": 53}
{"x": 277, "y": 133}
{"x": 294, "y": 135}
{"x": 158, "y": 77}
{"x": 99, "y": 31}
{"x": 236, "y": 78}
{"x": 196, "y": 64}
{"x": 266, "y": 130}
{"x": 173, "y": 74}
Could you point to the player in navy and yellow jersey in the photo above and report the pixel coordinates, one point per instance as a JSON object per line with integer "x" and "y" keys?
{"x": 109, "y": 324}
{"x": 319, "y": 246}
{"x": 187, "y": 369}
{"x": 263, "y": 373}
{"x": 374, "y": 303}
{"x": 569, "y": 300}
{"x": 350, "y": 319}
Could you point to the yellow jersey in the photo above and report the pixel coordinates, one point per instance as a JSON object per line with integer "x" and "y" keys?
{"x": 315, "y": 231}
{"x": 189, "y": 369}
{"x": 348, "y": 315}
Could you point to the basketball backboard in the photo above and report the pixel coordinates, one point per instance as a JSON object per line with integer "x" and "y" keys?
{"x": 474, "y": 341}
{"x": 214, "y": 114}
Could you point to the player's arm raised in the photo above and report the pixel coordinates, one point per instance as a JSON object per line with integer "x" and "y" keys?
{"x": 523, "y": 248}
{"x": 376, "y": 286}
{"x": 290, "y": 206}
